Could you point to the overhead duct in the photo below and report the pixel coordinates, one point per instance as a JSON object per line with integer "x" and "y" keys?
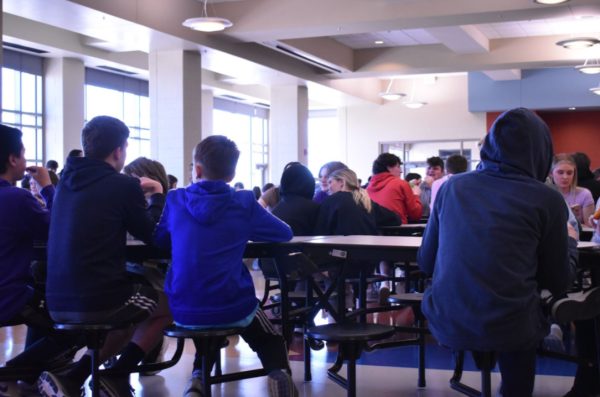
{"x": 304, "y": 57}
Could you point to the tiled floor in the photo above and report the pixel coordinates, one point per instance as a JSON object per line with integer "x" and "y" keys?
{"x": 389, "y": 372}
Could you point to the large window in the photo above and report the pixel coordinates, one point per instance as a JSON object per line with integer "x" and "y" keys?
{"x": 415, "y": 154}
{"x": 324, "y": 141}
{"x": 248, "y": 127}
{"x": 22, "y": 101}
{"x": 124, "y": 98}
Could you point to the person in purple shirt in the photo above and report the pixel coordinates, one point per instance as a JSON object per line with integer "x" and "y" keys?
{"x": 23, "y": 222}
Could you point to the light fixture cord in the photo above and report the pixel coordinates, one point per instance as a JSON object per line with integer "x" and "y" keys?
{"x": 387, "y": 91}
{"x": 205, "y": 11}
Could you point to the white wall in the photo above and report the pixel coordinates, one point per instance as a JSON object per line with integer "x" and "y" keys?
{"x": 444, "y": 117}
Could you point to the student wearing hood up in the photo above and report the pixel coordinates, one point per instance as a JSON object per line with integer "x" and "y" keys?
{"x": 497, "y": 236}
{"x": 296, "y": 207}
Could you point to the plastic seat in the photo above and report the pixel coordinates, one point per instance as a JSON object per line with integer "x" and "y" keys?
{"x": 209, "y": 342}
{"x": 352, "y": 338}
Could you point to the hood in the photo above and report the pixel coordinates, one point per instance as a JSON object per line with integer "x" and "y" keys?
{"x": 519, "y": 142}
{"x": 297, "y": 180}
{"x": 206, "y": 201}
{"x": 379, "y": 181}
{"x": 80, "y": 172}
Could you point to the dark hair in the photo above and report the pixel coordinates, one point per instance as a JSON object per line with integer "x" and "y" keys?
{"x": 52, "y": 165}
{"x": 172, "y": 180}
{"x": 583, "y": 163}
{"x": 257, "y": 192}
{"x": 152, "y": 169}
{"x": 435, "y": 161}
{"x": 218, "y": 157}
{"x": 456, "y": 164}
{"x": 267, "y": 186}
{"x": 239, "y": 185}
{"x": 297, "y": 180}
{"x": 412, "y": 175}
{"x": 103, "y": 134}
{"x": 383, "y": 161}
{"x": 75, "y": 153}
{"x": 10, "y": 143}
{"x": 331, "y": 167}
{"x": 53, "y": 177}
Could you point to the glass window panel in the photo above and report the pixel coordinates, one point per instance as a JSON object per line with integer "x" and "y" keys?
{"x": 29, "y": 142}
{"x": 324, "y": 142}
{"x": 38, "y": 82}
{"x": 145, "y": 112}
{"x": 28, "y": 119}
{"x": 10, "y": 89}
{"x": 28, "y": 94}
{"x": 145, "y": 148}
{"x": 145, "y": 134}
{"x": 131, "y": 110}
{"x": 9, "y": 117}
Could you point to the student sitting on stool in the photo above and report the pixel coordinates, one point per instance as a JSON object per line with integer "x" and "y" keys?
{"x": 209, "y": 224}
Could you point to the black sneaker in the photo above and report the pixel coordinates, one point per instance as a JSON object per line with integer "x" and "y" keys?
{"x": 115, "y": 386}
{"x": 281, "y": 385}
{"x": 577, "y": 306}
{"x": 53, "y": 385}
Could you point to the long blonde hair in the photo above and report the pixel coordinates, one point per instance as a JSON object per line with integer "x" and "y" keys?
{"x": 565, "y": 158}
{"x": 350, "y": 180}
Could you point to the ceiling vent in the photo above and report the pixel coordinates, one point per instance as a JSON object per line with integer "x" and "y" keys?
{"x": 23, "y": 48}
{"x": 304, "y": 57}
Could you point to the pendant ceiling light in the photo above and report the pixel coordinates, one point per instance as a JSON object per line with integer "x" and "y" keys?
{"x": 589, "y": 66}
{"x": 206, "y": 23}
{"x": 390, "y": 95}
{"x": 595, "y": 90}
{"x": 578, "y": 42}
{"x": 412, "y": 103}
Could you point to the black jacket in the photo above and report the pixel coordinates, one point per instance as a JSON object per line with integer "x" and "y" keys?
{"x": 93, "y": 210}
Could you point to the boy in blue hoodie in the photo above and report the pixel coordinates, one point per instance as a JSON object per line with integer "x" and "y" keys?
{"x": 208, "y": 286}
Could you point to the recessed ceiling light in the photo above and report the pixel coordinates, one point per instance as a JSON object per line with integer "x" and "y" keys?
{"x": 378, "y": 42}
{"x": 578, "y": 42}
{"x": 547, "y": 2}
{"x": 572, "y": 108}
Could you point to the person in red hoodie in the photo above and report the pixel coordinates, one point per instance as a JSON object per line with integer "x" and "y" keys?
{"x": 387, "y": 189}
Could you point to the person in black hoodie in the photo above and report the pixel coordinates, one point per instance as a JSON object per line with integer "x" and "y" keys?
{"x": 94, "y": 208}
{"x": 296, "y": 207}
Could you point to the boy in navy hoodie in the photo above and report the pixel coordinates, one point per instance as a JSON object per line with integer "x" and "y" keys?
{"x": 209, "y": 224}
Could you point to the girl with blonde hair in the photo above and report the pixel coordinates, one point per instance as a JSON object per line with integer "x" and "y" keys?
{"x": 564, "y": 176}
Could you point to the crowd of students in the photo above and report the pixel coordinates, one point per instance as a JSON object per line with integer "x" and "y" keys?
{"x": 499, "y": 230}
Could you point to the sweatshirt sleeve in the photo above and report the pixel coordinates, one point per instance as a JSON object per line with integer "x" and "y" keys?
{"x": 140, "y": 218}
{"x": 555, "y": 270}
{"x": 414, "y": 208}
{"x": 266, "y": 227}
{"x": 37, "y": 219}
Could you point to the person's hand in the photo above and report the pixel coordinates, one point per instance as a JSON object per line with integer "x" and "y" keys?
{"x": 428, "y": 180}
{"x": 576, "y": 208}
{"x": 150, "y": 186}
{"x": 571, "y": 231}
{"x": 39, "y": 175}
{"x": 416, "y": 190}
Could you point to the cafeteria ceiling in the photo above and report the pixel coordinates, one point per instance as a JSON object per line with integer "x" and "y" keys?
{"x": 324, "y": 43}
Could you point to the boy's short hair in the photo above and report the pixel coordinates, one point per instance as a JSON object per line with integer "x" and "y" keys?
{"x": 75, "y": 153}
{"x": 456, "y": 164}
{"x": 435, "y": 161}
{"x": 10, "y": 143}
{"x": 412, "y": 176}
{"x": 52, "y": 164}
{"x": 218, "y": 157}
{"x": 101, "y": 135}
{"x": 383, "y": 161}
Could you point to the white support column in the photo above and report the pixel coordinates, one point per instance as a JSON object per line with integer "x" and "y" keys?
{"x": 176, "y": 109}
{"x": 288, "y": 128}
{"x": 207, "y": 113}
{"x": 64, "y": 80}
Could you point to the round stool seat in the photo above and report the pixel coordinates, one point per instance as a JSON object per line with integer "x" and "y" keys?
{"x": 90, "y": 327}
{"x": 352, "y": 332}
{"x": 176, "y": 331}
